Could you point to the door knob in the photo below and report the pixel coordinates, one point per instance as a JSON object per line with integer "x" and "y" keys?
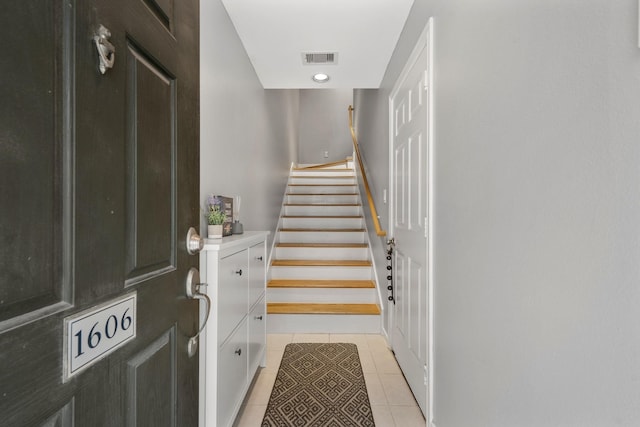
{"x": 195, "y": 243}
{"x": 193, "y": 287}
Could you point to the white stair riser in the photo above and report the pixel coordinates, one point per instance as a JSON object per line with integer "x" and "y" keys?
{"x": 322, "y": 253}
{"x": 322, "y": 180}
{"x": 321, "y": 237}
{"x": 321, "y": 273}
{"x": 322, "y": 198}
{"x": 323, "y": 295}
{"x": 322, "y": 223}
{"x": 322, "y": 210}
{"x": 321, "y": 189}
{"x": 323, "y": 323}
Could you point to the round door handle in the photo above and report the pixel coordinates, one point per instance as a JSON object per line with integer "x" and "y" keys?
{"x": 238, "y": 351}
{"x": 258, "y": 318}
{"x": 195, "y": 243}
{"x": 239, "y": 272}
{"x": 259, "y": 258}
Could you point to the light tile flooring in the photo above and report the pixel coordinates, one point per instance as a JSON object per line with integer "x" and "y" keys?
{"x": 392, "y": 403}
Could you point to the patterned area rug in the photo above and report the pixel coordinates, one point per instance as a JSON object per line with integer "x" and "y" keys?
{"x": 319, "y": 384}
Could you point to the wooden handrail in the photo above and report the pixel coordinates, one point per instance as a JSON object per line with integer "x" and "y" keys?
{"x": 372, "y": 206}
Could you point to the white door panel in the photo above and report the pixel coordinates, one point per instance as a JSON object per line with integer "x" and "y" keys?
{"x": 410, "y": 220}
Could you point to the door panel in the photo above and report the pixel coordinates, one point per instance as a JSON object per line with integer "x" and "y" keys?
{"x": 62, "y": 418}
{"x": 151, "y": 384}
{"x": 34, "y": 255}
{"x": 401, "y": 293}
{"x": 163, "y": 10}
{"x": 400, "y": 216}
{"x": 410, "y": 222}
{"x": 416, "y": 308}
{"x": 151, "y": 162}
{"x": 416, "y": 200}
{"x": 31, "y": 162}
{"x": 99, "y": 184}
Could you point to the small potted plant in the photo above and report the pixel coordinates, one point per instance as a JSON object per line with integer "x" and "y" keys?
{"x": 215, "y": 217}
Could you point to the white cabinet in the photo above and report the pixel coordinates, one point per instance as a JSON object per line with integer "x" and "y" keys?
{"x": 232, "y": 346}
{"x": 257, "y": 334}
{"x": 232, "y": 377}
{"x": 233, "y": 292}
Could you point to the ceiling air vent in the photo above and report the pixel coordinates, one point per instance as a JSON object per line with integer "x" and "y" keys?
{"x": 324, "y": 58}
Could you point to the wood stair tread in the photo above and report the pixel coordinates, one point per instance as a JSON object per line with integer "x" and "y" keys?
{"x": 323, "y": 177}
{"x": 324, "y": 230}
{"x": 324, "y": 216}
{"x": 322, "y": 194}
{"x": 322, "y": 168}
{"x": 322, "y": 185}
{"x": 308, "y": 283}
{"x": 322, "y": 245}
{"x": 311, "y": 308}
{"x": 320, "y": 263}
{"x": 322, "y": 204}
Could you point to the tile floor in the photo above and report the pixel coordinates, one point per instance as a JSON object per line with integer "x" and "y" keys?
{"x": 391, "y": 400}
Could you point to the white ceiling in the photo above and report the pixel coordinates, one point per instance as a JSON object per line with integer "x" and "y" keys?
{"x": 276, "y": 32}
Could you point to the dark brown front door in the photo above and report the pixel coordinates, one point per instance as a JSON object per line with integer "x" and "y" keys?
{"x": 98, "y": 187}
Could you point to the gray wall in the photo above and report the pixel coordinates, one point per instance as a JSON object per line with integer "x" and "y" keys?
{"x": 537, "y": 208}
{"x": 248, "y": 135}
{"x": 324, "y": 125}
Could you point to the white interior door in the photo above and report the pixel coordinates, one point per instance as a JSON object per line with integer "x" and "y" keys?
{"x": 410, "y": 146}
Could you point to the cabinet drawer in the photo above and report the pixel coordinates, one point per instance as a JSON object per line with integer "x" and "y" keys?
{"x": 232, "y": 293}
{"x": 257, "y": 270}
{"x": 232, "y": 375}
{"x": 257, "y": 339}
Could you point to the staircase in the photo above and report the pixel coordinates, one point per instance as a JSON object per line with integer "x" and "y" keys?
{"x": 321, "y": 276}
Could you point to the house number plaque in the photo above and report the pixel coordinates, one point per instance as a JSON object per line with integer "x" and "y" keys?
{"x": 94, "y": 333}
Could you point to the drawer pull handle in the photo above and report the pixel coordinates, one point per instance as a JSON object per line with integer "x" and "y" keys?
{"x": 258, "y": 317}
{"x": 239, "y": 272}
{"x": 259, "y": 258}
{"x": 238, "y": 351}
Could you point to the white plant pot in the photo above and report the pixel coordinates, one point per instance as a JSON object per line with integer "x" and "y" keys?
{"x": 214, "y": 231}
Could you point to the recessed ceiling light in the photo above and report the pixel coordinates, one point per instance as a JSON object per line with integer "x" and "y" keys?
{"x": 320, "y": 78}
